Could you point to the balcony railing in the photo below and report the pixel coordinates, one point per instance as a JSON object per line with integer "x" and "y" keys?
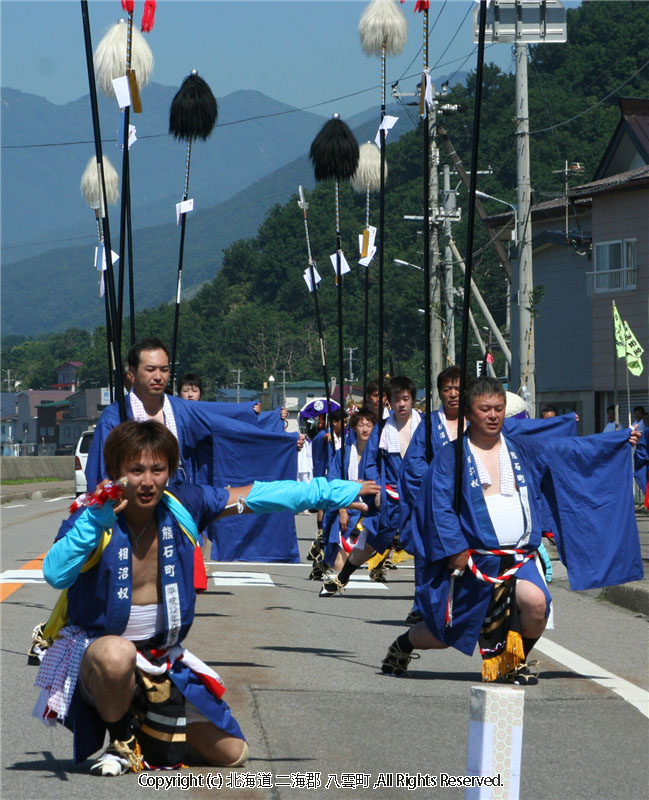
{"x": 611, "y": 281}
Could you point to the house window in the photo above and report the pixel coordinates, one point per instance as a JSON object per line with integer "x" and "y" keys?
{"x": 615, "y": 267}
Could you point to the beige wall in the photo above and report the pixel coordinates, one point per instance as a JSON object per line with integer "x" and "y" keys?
{"x": 621, "y": 215}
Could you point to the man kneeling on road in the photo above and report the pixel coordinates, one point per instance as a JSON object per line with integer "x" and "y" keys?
{"x": 127, "y": 566}
{"x": 481, "y": 580}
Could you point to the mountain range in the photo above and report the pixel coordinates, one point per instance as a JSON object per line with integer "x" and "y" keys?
{"x": 255, "y": 158}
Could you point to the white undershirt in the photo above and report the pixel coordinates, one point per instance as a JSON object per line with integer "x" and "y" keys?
{"x": 506, "y": 515}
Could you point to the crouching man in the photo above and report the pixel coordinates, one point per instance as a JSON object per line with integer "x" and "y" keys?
{"x": 127, "y": 571}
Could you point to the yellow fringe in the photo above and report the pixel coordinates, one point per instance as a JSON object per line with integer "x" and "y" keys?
{"x": 377, "y": 559}
{"x": 511, "y": 657}
{"x": 400, "y": 555}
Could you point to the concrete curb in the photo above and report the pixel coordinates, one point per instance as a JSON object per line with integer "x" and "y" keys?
{"x": 632, "y": 596}
{"x": 9, "y": 494}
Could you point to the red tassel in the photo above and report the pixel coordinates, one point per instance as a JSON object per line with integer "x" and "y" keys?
{"x": 422, "y": 5}
{"x": 128, "y": 6}
{"x": 148, "y": 15}
{"x": 646, "y": 497}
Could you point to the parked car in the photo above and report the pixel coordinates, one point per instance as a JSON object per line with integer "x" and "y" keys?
{"x": 80, "y": 458}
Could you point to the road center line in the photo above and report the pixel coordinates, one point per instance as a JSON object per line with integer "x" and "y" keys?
{"x": 7, "y": 589}
{"x": 637, "y": 697}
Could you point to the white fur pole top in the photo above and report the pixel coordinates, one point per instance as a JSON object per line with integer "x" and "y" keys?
{"x": 383, "y": 24}
{"x": 368, "y": 172}
{"x": 110, "y": 58}
{"x": 91, "y": 187}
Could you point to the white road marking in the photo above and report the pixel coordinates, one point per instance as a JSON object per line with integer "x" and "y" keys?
{"x": 19, "y": 505}
{"x": 22, "y": 576}
{"x": 242, "y": 579}
{"x": 363, "y": 582}
{"x": 637, "y": 697}
{"x": 64, "y": 497}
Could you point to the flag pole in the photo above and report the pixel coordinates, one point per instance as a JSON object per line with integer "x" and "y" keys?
{"x": 615, "y": 393}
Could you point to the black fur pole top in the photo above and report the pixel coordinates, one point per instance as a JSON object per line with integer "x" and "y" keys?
{"x": 193, "y": 110}
{"x": 334, "y": 151}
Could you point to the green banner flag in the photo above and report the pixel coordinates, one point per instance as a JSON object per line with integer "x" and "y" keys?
{"x": 634, "y": 351}
{"x": 620, "y": 339}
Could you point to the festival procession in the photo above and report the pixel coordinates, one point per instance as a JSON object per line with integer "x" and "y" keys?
{"x": 424, "y": 578}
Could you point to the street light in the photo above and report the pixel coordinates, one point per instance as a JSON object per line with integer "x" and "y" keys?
{"x": 407, "y": 264}
{"x": 505, "y": 203}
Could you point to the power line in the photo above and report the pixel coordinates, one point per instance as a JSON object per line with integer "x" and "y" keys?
{"x": 598, "y": 103}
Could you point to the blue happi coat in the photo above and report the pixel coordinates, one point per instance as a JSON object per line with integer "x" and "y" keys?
{"x": 581, "y": 483}
{"x": 225, "y": 444}
{"x": 99, "y": 601}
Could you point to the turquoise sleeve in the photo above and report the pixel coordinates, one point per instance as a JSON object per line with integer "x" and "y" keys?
{"x": 65, "y": 558}
{"x": 296, "y": 496}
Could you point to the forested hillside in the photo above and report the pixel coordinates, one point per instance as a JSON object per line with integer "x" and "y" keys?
{"x": 257, "y": 314}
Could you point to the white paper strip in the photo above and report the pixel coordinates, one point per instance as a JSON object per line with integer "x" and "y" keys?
{"x": 365, "y": 262}
{"x": 344, "y": 266}
{"x": 122, "y": 91}
{"x": 307, "y": 277}
{"x": 387, "y": 123}
{"x": 184, "y": 208}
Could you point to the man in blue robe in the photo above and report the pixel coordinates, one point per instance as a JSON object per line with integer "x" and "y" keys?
{"x": 117, "y": 662}
{"x": 246, "y": 442}
{"x": 509, "y": 486}
{"x": 381, "y": 463}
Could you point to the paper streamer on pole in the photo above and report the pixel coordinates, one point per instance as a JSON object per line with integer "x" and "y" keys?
{"x": 495, "y": 742}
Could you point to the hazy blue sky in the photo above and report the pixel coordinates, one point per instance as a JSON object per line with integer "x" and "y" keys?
{"x": 301, "y": 53}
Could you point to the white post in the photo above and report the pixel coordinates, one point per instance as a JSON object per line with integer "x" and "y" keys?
{"x": 495, "y": 742}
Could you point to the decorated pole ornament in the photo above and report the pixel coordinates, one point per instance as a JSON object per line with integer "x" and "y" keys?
{"x": 124, "y": 52}
{"x": 334, "y": 154}
{"x": 383, "y": 31}
{"x": 312, "y": 282}
{"x": 192, "y": 115}
{"x": 116, "y": 365}
{"x": 366, "y": 179}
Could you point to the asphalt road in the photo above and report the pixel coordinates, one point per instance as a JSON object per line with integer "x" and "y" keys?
{"x": 304, "y": 681}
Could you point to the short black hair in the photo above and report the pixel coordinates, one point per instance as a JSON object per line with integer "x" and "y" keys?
{"x": 338, "y": 415}
{"x": 448, "y": 375}
{"x": 640, "y": 409}
{"x": 610, "y": 408}
{"x": 483, "y": 385}
{"x": 191, "y": 379}
{"x": 362, "y": 413}
{"x": 401, "y": 383}
{"x": 549, "y": 408}
{"x": 151, "y": 343}
{"x": 132, "y": 438}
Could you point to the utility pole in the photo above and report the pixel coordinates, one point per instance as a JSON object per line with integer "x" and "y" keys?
{"x": 351, "y": 363}
{"x": 449, "y": 203}
{"x": 526, "y": 349}
{"x": 238, "y": 383}
{"x": 283, "y": 388}
{"x": 523, "y": 23}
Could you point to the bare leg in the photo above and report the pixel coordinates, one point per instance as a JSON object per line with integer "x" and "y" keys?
{"x": 216, "y": 746}
{"x": 108, "y": 673}
{"x": 531, "y": 604}
{"x": 422, "y": 639}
